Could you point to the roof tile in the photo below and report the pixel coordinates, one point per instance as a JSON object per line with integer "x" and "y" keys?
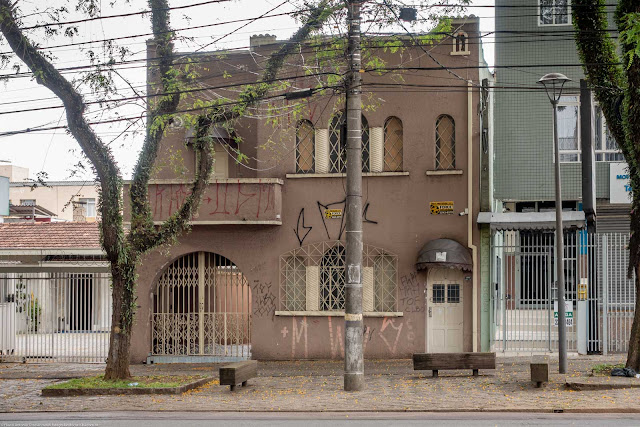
{"x": 45, "y": 235}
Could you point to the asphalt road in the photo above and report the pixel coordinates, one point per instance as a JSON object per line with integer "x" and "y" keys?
{"x": 175, "y": 419}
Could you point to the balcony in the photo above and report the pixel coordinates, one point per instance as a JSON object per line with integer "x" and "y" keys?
{"x": 226, "y": 201}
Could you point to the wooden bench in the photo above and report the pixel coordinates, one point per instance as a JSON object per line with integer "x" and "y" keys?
{"x": 440, "y": 361}
{"x": 238, "y": 373}
{"x": 540, "y": 370}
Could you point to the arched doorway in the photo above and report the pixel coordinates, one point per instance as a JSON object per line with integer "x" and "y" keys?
{"x": 202, "y": 307}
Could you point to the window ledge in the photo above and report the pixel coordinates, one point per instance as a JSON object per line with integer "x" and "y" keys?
{"x": 461, "y": 53}
{"x": 338, "y": 313}
{"x": 445, "y": 172}
{"x": 342, "y": 175}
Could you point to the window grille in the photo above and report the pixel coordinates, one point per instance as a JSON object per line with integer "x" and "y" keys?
{"x": 393, "y": 143}
{"x": 329, "y": 258}
{"x": 384, "y": 279}
{"x": 445, "y": 143}
{"x": 27, "y": 202}
{"x": 332, "y": 279}
{"x": 606, "y": 147}
{"x": 338, "y": 144}
{"x": 305, "y": 147}
{"x": 295, "y": 298}
{"x": 453, "y": 294}
{"x": 554, "y": 12}
{"x": 437, "y": 294}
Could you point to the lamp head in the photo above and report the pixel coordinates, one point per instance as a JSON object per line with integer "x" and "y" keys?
{"x": 553, "y": 84}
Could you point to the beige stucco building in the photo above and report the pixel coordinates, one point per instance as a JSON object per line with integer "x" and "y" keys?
{"x": 58, "y": 197}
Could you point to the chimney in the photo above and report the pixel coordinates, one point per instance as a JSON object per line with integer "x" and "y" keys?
{"x": 79, "y": 212}
{"x": 261, "y": 40}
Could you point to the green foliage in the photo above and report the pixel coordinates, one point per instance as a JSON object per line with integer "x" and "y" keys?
{"x": 153, "y": 381}
{"x": 630, "y": 36}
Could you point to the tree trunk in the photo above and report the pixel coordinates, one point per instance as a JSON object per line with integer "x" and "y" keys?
{"x": 633, "y": 354}
{"x": 121, "y": 323}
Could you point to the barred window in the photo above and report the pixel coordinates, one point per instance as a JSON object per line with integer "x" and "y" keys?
{"x": 461, "y": 42}
{"x": 384, "y": 279}
{"x": 393, "y": 141}
{"x": 332, "y": 279}
{"x": 338, "y": 144}
{"x": 445, "y": 143}
{"x": 295, "y": 284}
{"x": 305, "y": 147}
{"x": 312, "y": 278}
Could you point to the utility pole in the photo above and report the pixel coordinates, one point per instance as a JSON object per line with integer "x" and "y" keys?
{"x": 353, "y": 356}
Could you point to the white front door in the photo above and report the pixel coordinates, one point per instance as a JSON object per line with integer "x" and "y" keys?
{"x": 444, "y": 314}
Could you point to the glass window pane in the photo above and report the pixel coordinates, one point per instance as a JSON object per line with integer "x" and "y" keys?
{"x": 546, "y": 12}
{"x": 453, "y": 294}
{"x": 438, "y": 296}
{"x": 445, "y": 143}
{"x": 561, "y": 12}
{"x": 568, "y": 127}
{"x": 305, "y": 147}
{"x": 393, "y": 144}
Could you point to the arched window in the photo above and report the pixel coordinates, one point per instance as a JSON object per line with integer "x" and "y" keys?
{"x": 393, "y": 145}
{"x": 445, "y": 143}
{"x": 338, "y": 144}
{"x": 332, "y": 279}
{"x": 295, "y": 285}
{"x": 305, "y": 147}
{"x": 384, "y": 283}
{"x": 460, "y": 42}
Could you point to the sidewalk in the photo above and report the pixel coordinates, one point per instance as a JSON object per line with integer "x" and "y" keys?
{"x": 391, "y": 385}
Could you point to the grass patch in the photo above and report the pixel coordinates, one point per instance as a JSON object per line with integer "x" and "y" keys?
{"x": 157, "y": 381}
{"x": 605, "y": 368}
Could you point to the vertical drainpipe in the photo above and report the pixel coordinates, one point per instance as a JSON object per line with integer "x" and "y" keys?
{"x": 474, "y": 248}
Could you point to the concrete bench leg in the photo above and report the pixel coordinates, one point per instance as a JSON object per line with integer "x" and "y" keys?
{"x": 476, "y": 373}
{"x": 244, "y": 383}
{"x": 435, "y": 373}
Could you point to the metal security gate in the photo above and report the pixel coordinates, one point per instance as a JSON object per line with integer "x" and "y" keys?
{"x": 201, "y": 310}
{"x": 54, "y": 317}
{"x": 524, "y": 290}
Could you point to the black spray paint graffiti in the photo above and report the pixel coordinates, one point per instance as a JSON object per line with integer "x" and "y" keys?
{"x": 264, "y": 301}
{"x": 364, "y": 214}
{"x": 409, "y": 293}
{"x": 301, "y": 230}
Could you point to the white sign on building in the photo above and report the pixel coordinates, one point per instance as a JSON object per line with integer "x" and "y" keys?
{"x": 619, "y": 187}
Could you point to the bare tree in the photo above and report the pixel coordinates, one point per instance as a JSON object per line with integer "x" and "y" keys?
{"x": 124, "y": 251}
{"x": 616, "y": 83}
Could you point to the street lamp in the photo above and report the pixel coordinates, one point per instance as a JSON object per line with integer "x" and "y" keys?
{"x": 553, "y": 84}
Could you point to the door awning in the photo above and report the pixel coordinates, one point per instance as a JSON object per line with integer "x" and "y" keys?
{"x": 444, "y": 253}
{"x": 531, "y": 220}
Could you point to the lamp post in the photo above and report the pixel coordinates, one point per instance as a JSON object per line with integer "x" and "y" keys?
{"x": 553, "y": 84}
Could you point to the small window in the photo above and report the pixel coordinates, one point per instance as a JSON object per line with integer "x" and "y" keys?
{"x": 27, "y": 202}
{"x": 338, "y": 144}
{"x": 393, "y": 141}
{"x": 332, "y": 279}
{"x": 606, "y": 147}
{"x": 453, "y": 294}
{"x": 568, "y": 129}
{"x": 460, "y": 43}
{"x": 89, "y": 207}
{"x": 445, "y": 143}
{"x": 438, "y": 296}
{"x": 305, "y": 147}
{"x": 295, "y": 282}
{"x": 554, "y": 12}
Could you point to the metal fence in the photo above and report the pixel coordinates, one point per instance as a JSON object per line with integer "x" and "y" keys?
{"x": 54, "y": 317}
{"x": 600, "y": 297}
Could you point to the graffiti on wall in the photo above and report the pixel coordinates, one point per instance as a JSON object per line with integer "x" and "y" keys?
{"x": 410, "y": 293}
{"x": 302, "y": 230}
{"x": 264, "y": 300}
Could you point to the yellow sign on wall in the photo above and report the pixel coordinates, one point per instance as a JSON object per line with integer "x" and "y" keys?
{"x": 441, "y": 208}
{"x": 333, "y": 213}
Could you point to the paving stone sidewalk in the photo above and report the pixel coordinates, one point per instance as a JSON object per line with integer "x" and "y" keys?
{"x": 392, "y": 385}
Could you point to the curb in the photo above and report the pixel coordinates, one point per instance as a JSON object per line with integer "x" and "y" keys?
{"x": 66, "y": 392}
{"x": 577, "y": 386}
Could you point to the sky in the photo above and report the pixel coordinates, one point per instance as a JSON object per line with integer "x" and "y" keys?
{"x": 57, "y": 153}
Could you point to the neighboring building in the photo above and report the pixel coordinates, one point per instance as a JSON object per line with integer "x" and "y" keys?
{"x": 67, "y": 200}
{"x": 536, "y": 40}
{"x": 55, "y": 293}
{"x": 261, "y": 274}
